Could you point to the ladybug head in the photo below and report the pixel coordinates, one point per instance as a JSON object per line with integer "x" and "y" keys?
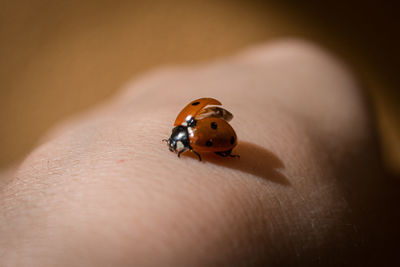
{"x": 179, "y": 139}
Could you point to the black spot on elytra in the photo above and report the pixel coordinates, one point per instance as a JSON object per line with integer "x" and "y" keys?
{"x": 232, "y": 140}
{"x": 195, "y": 103}
{"x": 214, "y": 125}
{"x": 209, "y": 143}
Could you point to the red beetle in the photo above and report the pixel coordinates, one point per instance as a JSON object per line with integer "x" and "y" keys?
{"x": 203, "y": 129}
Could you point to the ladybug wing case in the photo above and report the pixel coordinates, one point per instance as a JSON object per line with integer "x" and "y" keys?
{"x": 212, "y": 135}
{"x": 193, "y": 108}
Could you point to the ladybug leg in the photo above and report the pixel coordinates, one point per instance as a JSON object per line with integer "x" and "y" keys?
{"x": 196, "y": 154}
{"x": 222, "y": 154}
{"x": 227, "y": 154}
{"x": 180, "y": 152}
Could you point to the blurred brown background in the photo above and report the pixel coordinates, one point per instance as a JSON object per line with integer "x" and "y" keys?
{"x": 60, "y": 57}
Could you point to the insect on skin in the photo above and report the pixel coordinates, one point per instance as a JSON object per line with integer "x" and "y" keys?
{"x": 199, "y": 128}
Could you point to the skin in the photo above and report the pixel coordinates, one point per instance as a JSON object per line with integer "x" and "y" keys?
{"x": 102, "y": 189}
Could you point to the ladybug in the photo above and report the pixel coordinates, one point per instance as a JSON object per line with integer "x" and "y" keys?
{"x": 199, "y": 128}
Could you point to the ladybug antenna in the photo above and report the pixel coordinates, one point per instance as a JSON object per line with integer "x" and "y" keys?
{"x": 165, "y": 140}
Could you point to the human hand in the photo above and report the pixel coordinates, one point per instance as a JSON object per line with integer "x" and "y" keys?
{"x": 103, "y": 190}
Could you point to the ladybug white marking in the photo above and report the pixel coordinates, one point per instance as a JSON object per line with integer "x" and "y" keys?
{"x": 179, "y": 145}
{"x": 190, "y": 131}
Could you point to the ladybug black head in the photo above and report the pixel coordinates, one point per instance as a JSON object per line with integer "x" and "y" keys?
{"x": 179, "y": 139}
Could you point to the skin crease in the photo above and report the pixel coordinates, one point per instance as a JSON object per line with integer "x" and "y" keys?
{"x": 102, "y": 189}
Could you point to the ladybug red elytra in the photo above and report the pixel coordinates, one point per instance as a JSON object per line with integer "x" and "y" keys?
{"x": 203, "y": 129}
